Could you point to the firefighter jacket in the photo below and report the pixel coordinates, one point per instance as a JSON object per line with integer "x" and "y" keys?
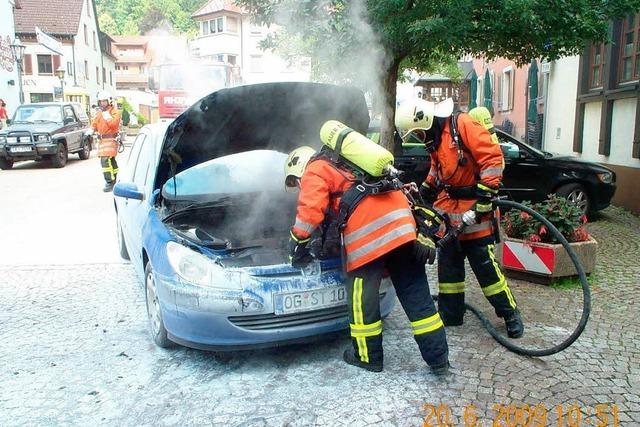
{"x": 379, "y": 224}
{"x": 484, "y": 165}
{"x": 108, "y": 130}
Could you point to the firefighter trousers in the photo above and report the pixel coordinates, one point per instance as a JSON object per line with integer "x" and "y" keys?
{"x": 109, "y": 168}
{"x": 451, "y": 275}
{"x": 410, "y": 282}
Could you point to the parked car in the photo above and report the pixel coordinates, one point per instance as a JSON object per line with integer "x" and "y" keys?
{"x": 531, "y": 174}
{"x": 204, "y": 217}
{"x": 45, "y": 131}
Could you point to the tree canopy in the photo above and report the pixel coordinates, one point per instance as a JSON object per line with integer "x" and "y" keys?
{"x": 386, "y": 36}
{"x": 131, "y": 17}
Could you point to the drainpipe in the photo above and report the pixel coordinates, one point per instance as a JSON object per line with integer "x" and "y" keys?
{"x": 241, "y": 49}
{"x": 73, "y": 57}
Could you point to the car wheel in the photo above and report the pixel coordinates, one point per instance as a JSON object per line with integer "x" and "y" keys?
{"x": 59, "y": 159}
{"x": 577, "y": 194}
{"x": 154, "y": 314}
{"x": 86, "y": 150}
{"x": 5, "y": 163}
{"x": 122, "y": 245}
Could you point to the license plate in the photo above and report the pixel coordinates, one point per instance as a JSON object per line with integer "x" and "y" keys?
{"x": 20, "y": 149}
{"x": 294, "y": 302}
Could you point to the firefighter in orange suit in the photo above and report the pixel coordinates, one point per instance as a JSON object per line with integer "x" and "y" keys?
{"x": 107, "y": 124}
{"x": 380, "y": 234}
{"x": 466, "y": 171}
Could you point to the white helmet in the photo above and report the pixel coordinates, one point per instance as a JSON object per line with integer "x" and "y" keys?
{"x": 417, "y": 115}
{"x": 295, "y": 164}
{"x": 103, "y": 95}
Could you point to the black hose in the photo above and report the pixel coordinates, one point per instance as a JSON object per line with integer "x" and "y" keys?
{"x": 586, "y": 293}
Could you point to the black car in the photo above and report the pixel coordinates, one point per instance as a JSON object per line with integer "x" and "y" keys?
{"x": 531, "y": 174}
{"x": 45, "y": 131}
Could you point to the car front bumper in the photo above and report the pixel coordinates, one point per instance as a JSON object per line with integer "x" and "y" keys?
{"x": 36, "y": 151}
{"x": 212, "y": 319}
{"x": 602, "y": 195}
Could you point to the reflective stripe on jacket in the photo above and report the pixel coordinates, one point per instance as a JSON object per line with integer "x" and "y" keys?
{"x": 379, "y": 224}
{"x": 485, "y": 164}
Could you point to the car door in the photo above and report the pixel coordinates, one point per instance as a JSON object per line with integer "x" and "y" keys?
{"x": 71, "y": 129}
{"x": 524, "y": 176}
{"x": 135, "y": 212}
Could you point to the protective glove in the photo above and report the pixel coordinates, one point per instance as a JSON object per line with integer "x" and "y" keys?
{"x": 106, "y": 115}
{"x": 424, "y": 249}
{"x": 428, "y": 221}
{"x": 299, "y": 255}
{"x": 470, "y": 217}
{"x": 428, "y": 193}
{"x": 484, "y": 194}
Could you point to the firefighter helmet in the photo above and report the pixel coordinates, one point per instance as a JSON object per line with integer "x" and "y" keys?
{"x": 103, "y": 95}
{"x": 295, "y": 164}
{"x": 416, "y": 116}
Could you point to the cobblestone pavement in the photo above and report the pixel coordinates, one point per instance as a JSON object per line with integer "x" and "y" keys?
{"x": 76, "y": 351}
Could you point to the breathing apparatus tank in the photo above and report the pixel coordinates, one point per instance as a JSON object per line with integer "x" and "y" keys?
{"x": 483, "y": 115}
{"x": 357, "y": 148}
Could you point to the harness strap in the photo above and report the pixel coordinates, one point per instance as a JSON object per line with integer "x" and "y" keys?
{"x": 335, "y": 156}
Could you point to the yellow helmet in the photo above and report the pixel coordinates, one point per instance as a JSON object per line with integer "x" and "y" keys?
{"x": 417, "y": 115}
{"x": 482, "y": 115}
{"x": 295, "y": 164}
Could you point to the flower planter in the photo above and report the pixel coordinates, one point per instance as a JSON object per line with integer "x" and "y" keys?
{"x": 132, "y": 131}
{"x": 543, "y": 262}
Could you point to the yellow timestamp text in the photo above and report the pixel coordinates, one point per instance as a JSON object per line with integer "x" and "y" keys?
{"x": 513, "y": 415}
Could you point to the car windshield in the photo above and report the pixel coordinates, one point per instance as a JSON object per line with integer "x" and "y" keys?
{"x": 38, "y": 113}
{"x": 254, "y": 171}
{"x": 512, "y": 150}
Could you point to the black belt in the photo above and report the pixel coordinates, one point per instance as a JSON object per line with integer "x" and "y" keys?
{"x": 467, "y": 192}
{"x": 109, "y": 135}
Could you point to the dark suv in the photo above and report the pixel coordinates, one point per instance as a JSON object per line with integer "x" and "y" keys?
{"x": 45, "y": 131}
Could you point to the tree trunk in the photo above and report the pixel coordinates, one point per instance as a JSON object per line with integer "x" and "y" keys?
{"x": 387, "y": 121}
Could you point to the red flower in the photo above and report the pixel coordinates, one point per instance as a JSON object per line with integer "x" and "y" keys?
{"x": 542, "y": 231}
{"x": 535, "y": 238}
{"x": 524, "y": 216}
{"x": 583, "y": 219}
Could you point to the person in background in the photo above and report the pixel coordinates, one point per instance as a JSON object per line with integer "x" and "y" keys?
{"x": 107, "y": 124}
{"x": 3, "y": 114}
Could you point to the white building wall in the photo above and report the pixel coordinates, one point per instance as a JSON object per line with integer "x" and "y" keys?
{"x": 560, "y": 114}
{"x": 87, "y": 52}
{"x": 8, "y": 67}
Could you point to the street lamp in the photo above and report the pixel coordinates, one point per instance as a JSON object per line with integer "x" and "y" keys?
{"x": 18, "y": 53}
{"x": 60, "y": 73}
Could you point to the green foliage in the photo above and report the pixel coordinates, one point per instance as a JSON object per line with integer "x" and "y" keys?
{"x": 142, "y": 120}
{"x": 340, "y": 35}
{"x": 131, "y": 17}
{"x": 563, "y": 214}
{"x": 571, "y": 282}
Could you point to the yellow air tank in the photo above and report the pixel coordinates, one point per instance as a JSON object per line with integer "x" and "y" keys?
{"x": 483, "y": 115}
{"x": 357, "y": 148}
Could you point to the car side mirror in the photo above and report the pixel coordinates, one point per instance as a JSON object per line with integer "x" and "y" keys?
{"x": 128, "y": 190}
{"x": 8, "y": 122}
{"x": 68, "y": 120}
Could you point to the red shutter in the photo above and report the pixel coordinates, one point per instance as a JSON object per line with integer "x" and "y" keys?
{"x": 56, "y": 63}
{"x": 28, "y": 68}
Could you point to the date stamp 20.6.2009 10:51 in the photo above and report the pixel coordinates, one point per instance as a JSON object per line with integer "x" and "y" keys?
{"x": 514, "y": 415}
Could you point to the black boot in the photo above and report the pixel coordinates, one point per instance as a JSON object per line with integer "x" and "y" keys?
{"x": 513, "y": 322}
{"x": 108, "y": 187}
{"x": 440, "y": 370}
{"x": 351, "y": 359}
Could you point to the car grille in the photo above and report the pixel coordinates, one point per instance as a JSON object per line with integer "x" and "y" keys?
{"x": 271, "y": 321}
{"x": 21, "y": 137}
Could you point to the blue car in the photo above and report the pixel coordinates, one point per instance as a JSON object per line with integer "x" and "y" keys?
{"x": 204, "y": 217}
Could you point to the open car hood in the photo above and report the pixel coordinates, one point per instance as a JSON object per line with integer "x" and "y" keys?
{"x": 270, "y": 116}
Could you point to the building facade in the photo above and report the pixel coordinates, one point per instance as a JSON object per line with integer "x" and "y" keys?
{"x": 226, "y": 34}
{"x": 74, "y": 24}
{"x": 133, "y": 60}
{"x": 9, "y": 88}
{"x": 594, "y": 109}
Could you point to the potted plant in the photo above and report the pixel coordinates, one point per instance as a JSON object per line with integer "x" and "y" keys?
{"x": 530, "y": 248}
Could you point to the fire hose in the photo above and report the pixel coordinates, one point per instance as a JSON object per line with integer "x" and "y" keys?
{"x": 452, "y": 236}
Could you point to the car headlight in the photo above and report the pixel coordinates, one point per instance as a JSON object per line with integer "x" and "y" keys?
{"x": 3, "y": 139}
{"x": 12, "y": 139}
{"x": 605, "y": 177}
{"x": 42, "y": 138}
{"x": 200, "y": 270}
